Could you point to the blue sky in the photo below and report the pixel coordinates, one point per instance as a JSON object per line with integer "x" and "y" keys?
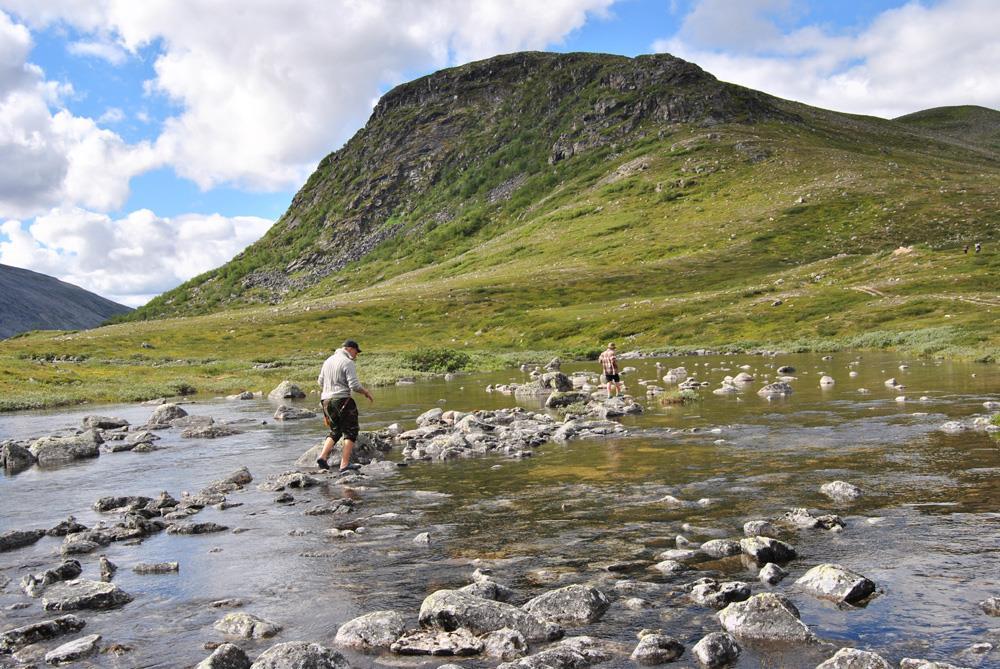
{"x": 148, "y": 142}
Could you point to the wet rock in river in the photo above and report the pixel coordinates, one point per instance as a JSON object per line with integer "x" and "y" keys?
{"x": 165, "y": 413}
{"x": 656, "y": 649}
{"x": 84, "y": 594}
{"x": 278, "y": 482}
{"x": 802, "y": 519}
{"x": 758, "y": 528}
{"x": 300, "y": 655}
{"x": 68, "y": 526}
{"x": 771, "y": 574}
{"x": 991, "y": 606}
{"x": 373, "y": 630}
{"x": 777, "y": 389}
{"x": 78, "y": 544}
{"x": 34, "y": 584}
{"x": 564, "y": 399}
{"x": 226, "y": 656}
{"x": 19, "y": 637}
{"x": 765, "y": 617}
{"x": 103, "y": 423}
{"x": 60, "y": 450}
{"x": 767, "y": 549}
{"x": 911, "y": 663}
{"x": 574, "y": 653}
{"x": 716, "y": 650}
{"x": 157, "y": 568}
{"x": 436, "y": 642}
{"x": 711, "y": 593}
{"x": 851, "y": 658}
{"x": 832, "y": 581}
{"x": 15, "y": 458}
{"x": 489, "y": 589}
{"x": 720, "y": 548}
{"x": 108, "y": 568}
{"x": 246, "y": 626}
{"x": 72, "y": 651}
{"x": 285, "y": 412}
{"x": 840, "y": 491}
{"x": 107, "y": 504}
{"x": 450, "y": 609}
{"x": 573, "y": 604}
{"x": 213, "y": 431}
{"x": 505, "y": 645}
{"x": 195, "y": 528}
{"x": 14, "y": 539}
{"x": 286, "y": 390}
{"x": 670, "y": 567}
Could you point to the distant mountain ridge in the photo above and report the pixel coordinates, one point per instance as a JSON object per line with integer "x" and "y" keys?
{"x": 970, "y": 124}
{"x": 33, "y": 301}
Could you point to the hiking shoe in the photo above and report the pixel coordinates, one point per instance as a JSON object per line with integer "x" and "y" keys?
{"x": 322, "y": 464}
{"x": 353, "y": 465}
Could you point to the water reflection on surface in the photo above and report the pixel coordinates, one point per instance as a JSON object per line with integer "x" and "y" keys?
{"x": 927, "y": 529}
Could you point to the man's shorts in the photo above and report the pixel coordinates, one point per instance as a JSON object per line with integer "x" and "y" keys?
{"x": 612, "y": 378}
{"x": 342, "y": 415}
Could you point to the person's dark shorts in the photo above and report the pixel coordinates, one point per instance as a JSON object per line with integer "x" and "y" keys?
{"x": 342, "y": 415}
{"x": 612, "y": 378}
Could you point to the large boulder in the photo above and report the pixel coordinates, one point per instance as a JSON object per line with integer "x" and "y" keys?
{"x": 437, "y": 642}
{"x": 373, "y": 630}
{"x": 574, "y": 653}
{"x": 60, "y": 450}
{"x": 573, "y": 604}
{"x": 777, "y": 389}
{"x": 13, "y": 539}
{"x": 832, "y": 581}
{"x": 226, "y": 656}
{"x": 15, "y": 458}
{"x": 166, "y": 413}
{"x": 246, "y": 626}
{"x": 451, "y": 609}
{"x": 851, "y": 658}
{"x": 286, "y": 390}
{"x": 285, "y": 412}
{"x": 300, "y": 655}
{"x": 561, "y": 399}
{"x": 719, "y": 595}
{"x": 84, "y": 594}
{"x": 766, "y": 549}
{"x": 716, "y": 650}
{"x": 370, "y": 445}
{"x": 19, "y": 637}
{"x": 765, "y": 617}
{"x": 656, "y": 649}
{"x": 103, "y": 423}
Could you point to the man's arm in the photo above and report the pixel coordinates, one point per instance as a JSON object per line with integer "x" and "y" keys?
{"x": 354, "y": 383}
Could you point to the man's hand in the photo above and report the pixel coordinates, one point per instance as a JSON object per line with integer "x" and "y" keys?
{"x": 368, "y": 395}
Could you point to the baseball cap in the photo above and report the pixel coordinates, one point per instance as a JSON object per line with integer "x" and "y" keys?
{"x": 350, "y": 343}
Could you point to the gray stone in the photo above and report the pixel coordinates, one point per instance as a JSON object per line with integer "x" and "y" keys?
{"x": 195, "y": 528}
{"x": 719, "y": 595}
{"x": 716, "y": 650}
{"x": 226, "y": 656}
{"x": 771, "y": 574}
{"x": 19, "y": 637}
{"x": 766, "y": 549}
{"x": 777, "y": 389}
{"x": 671, "y": 567}
{"x": 78, "y": 544}
{"x": 720, "y": 548}
{"x": 436, "y": 642}
{"x": 15, "y": 458}
{"x": 285, "y": 412}
{"x": 108, "y": 568}
{"x": 840, "y": 491}
{"x": 850, "y": 658}
{"x": 573, "y": 653}
{"x": 832, "y": 581}
{"x": 292, "y": 479}
{"x": 563, "y": 399}
{"x": 103, "y": 423}
{"x": 246, "y": 626}
{"x": 991, "y": 606}
{"x": 300, "y": 655}
{"x": 34, "y": 584}
{"x": 656, "y": 649}
{"x": 209, "y": 431}
{"x": 373, "y": 630}
{"x": 286, "y": 390}
{"x": 758, "y": 528}
{"x": 573, "y": 604}
{"x": 765, "y": 617}
{"x": 166, "y": 413}
{"x": 14, "y": 539}
{"x": 489, "y": 589}
{"x": 157, "y": 568}
{"x": 68, "y": 526}
{"x": 192, "y": 421}
{"x": 60, "y": 450}
{"x": 911, "y": 663}
{"x": 505, "y": 645}
{"x": 450, "y": 609}
{"x": 77, "y": 649}
{"x": 106, "y": 504}
{"x": 84, "y": 594}
{"x": 804, "y": 520}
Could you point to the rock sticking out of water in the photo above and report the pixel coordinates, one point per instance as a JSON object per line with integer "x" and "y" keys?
{"x": 373, "y": 630}
{"x": 765, "y": 617}
{"x": 832, "y": 581}
{"x": 19, "y": 637}
{"x": 716, "y": 650}
{"x": 14, "y": 539}
{"x": 246, "y": 626}
{"x": 226, "y": 656}
{"x": 84, "y": 594}
{"x": 656, "y": 649}
{"x": 451, "y": 609}
{"x": 841, "y": 491}
{"x": 34, "y": 584}
{"x": 72, "y": 651}
{"x": 851, "y": 658}
{"x": 300, "y": 655}
{"x": 573, "y": 604}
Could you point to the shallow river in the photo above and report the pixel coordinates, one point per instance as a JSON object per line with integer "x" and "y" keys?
{"x": 926, "y": 530}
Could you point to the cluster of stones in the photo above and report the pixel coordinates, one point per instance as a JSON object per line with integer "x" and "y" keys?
{"x": 103, "y": 434}
{"x": 977, "y": 423}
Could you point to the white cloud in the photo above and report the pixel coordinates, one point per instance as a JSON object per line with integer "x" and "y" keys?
{"x": 910, "y": 58}
{"x": 104, "y": 50}
{"x": 111, "y": 115}
{"x": 131, "y": 259}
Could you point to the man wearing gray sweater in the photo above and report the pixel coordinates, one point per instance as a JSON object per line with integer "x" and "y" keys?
{"x": 339, "y": 378}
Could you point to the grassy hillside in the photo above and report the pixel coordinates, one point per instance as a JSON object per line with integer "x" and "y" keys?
{"x": 969, "y": 124}
{"x": 754, "y": 222}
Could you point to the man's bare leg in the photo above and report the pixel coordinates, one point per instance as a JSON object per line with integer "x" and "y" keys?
{"x": 345, "y": 453}
{"x": 327, "y": 448}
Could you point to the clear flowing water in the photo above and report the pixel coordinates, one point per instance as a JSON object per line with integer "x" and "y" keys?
{"x": 927, "y": 529}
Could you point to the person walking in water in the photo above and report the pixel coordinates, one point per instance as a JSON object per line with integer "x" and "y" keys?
{"x": 339, "y": 378}
{"x": 609, "y": 365}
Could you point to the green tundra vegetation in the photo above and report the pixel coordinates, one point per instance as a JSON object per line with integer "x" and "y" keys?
{"x": 539, "y": 204}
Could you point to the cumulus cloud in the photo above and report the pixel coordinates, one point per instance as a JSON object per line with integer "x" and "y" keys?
{"x": 104, "y": 50}
{"x": 910, "y": 58}
{"x": 131, "y": 259}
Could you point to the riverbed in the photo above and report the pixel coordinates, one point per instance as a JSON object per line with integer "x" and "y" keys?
{"x": 926, "y": 529}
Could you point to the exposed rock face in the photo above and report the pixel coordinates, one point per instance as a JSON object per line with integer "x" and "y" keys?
{"x": 60, "y": 450}
{"x": 84, "y": 594}
{"x": 838, "y": 583}
{"x": 246, "y": 626}
{"x": 300, "y": 655}
{"x": 716, "y": 650}
{"x": 573, "y": 604}
{"x": 451, "y": 609}
{"x": 851, "y": 658}
{"x": 18, "y": 637}
{"x": 226, "y": 656}
{"x": 765, "y": 617}
{"x": 373, "y": 630}
{"x": 656, "y": 649}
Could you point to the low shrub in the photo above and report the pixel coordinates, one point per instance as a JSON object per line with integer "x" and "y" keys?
{"x": 438, "y": 360}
